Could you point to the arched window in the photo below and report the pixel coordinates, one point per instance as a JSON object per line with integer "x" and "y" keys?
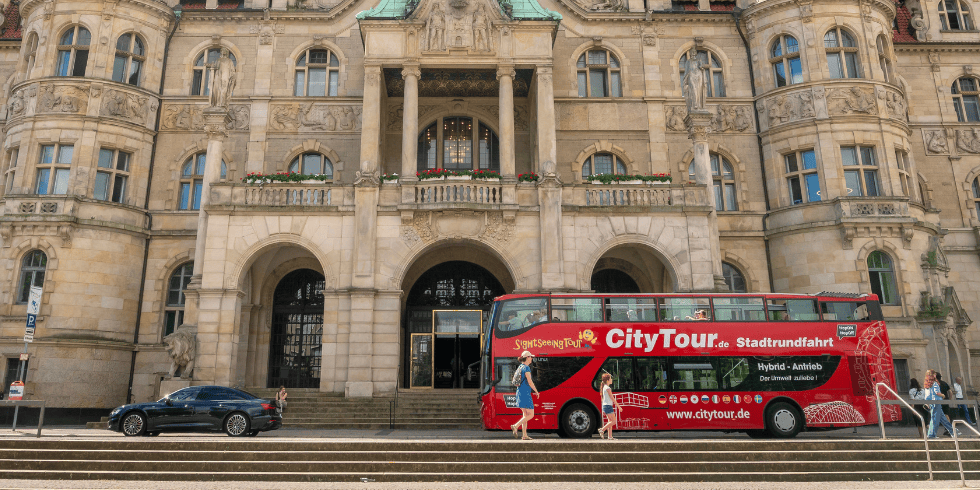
{"x": 31, "y": 274}
{"x": 734, "y": 278}
{"x": 173, "y": 314}
{"x": 882, "y": 275}
{"x": 603, "y": 163}
{"x": 599, "y": 74}
{"x": 130, "y": 56}
{"x": 883, "y": 58}
{"x": 966, "y": 99}
{"x": 192, "y": 180}
{"x": 456, "y": 137}
{"x": 785, "y": 58}
{"x": 30, "y": 54}
{"x": 976, "y": 195}
{"x": 73, "y": 52}
{"x": 954, "y": 15}
{"x": 716, "y": 78}
{"x": 200, "y": 84}
{"x": 317, "y": 73}
{"x": 842, "y": 55}
{"x": 312, "y": 164}
{"x": 724, "y": 179}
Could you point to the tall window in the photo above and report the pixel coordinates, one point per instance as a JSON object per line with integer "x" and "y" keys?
{"x": 130, "y": 56}
{"x": 785, "y": 58}
{"x": 54, "y": 169}
{"x": 192, "y": 181}
{"x": 312, "y": 164}
{"x": 976, "y": 195}
{"x": 883, "y": 58}
{"x": 842, "y": 55}
{"x": 112, "y": 175}
{"x": 200, "y": 85}
{"x": 317, "y": 73}
{"x": 73, "y": 52}
{"x": 860, "y": 170}
{"x": 966, "y": 99}
{"x": 716, "y": 78}
{"x": 31, "y": 274}
{"x": 30, "y": 54}
{"x": 724, "y": 183}
{"x": 954, "y": 15}
{"x": 467, "y": 144}
{"x": 905, "y": 174}
{"x": 734, "y": 278}
{"x": 882, "y": 276}
{"x": 603, "y": 163}
{"x": 802, "y": 178}
{"x": 173, "y": 315}
{"x": 599, "y": 74}
{"x": 11, "y": 170}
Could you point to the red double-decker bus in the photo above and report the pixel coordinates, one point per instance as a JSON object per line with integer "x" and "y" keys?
{"x": 763, "y": 364}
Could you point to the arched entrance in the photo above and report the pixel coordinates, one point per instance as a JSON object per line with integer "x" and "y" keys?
{"x": 631, "y": 268}
{"x": 444, "y": 313}
{"x": 297, "y": 331}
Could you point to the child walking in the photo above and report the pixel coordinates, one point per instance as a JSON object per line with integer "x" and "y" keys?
{"x": 609, "y": 407}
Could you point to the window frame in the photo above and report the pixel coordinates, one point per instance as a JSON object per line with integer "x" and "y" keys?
{"x": 802, "y": 176}
{"x": 116, "y": 177}
{"x": 30, "y": 53}
{"x": 884, "y": 58}
{"x": 976, "y": 197}
{"x": 200, "y": 75}
{"x": 193, "y": 182}
{"x": 730, "y": 278}
{"x": 183, "y": 272}
{"x": 331, "y": 70}
{"x": 960, "y": 97}
{"x": 963, "y": 21}
{"x": 127, "y": 58}
{"x": 862, "y": 169}
{"x": 785, "y": 60}
{"x": 611, "y": 70}
{"x": 29, "y": 268}
{"x": 905, "y": 175}
{"x": 618, "y": 165}
{"x": 68, "y": 67}
{"x": 484, "y": 145}
{"x": 725, "y": 188}
{"x": 883, "y": 273}
{"x": 713, "y": 71}
{"x": 10, "y": 169}
{"x": 300, "y": 162}
{"x": 56, "y": 169}
{"x": 843, "y": 53}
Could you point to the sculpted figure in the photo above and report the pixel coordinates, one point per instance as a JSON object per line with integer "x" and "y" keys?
{"x": 436, "y": 29}
{"x": 695, "y": 86}
{"x": 16, "y": 104}
{"x": 675, "y": 118}
{"x": 182, "y": 347}
{"x": 742, "y": 119}
{"x": 862, "y": 101}
{"x": 806, "y": 104}
{"x": 937, "y": 142}
{"x": 614, "y": 5}
{"x": 481, "y": 30}
{"x": 223, "y": 79}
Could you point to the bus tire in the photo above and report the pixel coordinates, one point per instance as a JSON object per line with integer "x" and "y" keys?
{"x": 783, "y": 420}
{"x": 579, "y": 421}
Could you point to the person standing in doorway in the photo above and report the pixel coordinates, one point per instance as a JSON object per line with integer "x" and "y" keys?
{"x": 281, "y": 398}
{"x": 610, "y": 407}
{"x": 524, "y": 388}
{"x": 958, "y": 393}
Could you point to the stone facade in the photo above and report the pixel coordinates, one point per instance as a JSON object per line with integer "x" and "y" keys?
{"x": 559, "y": 84}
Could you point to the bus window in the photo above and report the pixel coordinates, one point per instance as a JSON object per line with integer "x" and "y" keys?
{"x": 734, "y": 370}
{"x": 685, "y": 309}
{"x": 505, "y": 371}
{"x": 793, "y": 310}
{"x": 577, "y": 309}
{"x": 631, "y": 309}
{"x": 516, "y": 314}
{"x": 698, "y": 374}
{"x": 621, "y": 369}
{"x": 549, "y": 372}
{"x": 739, "y": 309}
{"x": 651, "y": 374}
{"x": 844, "y": 311}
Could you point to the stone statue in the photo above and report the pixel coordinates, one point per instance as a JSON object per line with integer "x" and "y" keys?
{"x": 481, "y": 31}
{"x": 614, "y": 5}
{"x": 436, "y": 29}
{"x": 223, "y": 79}
{"x": 695, "y": 85}
{"x": 182, "y": 347}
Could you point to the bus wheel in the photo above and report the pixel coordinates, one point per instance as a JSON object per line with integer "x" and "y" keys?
{"x": 578, "y": 421}
{"x": 782, "y": 420}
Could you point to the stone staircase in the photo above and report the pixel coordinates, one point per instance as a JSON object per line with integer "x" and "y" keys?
{"x": 420, "y": 410}
{"x": 499, "y": 460}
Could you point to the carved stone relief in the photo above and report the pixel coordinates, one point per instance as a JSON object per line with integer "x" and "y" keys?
{"x": 936, "y": 141}
{"x": 190, "y": 117}
{"x": 63, "y": 98}
{"x": 968, "y": 140}
{"x": 785, "y": 108}
{"x": 427, "y": 226}
{"x": 315, "y": 117}
{"x": 895, "y": 104}
{"x": 806, "y": 10}
{"x": 606, "y": 5}
{"x": 459, "y": 24}
{"x": 125, "y": 105}
{"x": 727, "y": 118}
{"x": 395, "y": 113}
{"x": 16, "y": 105}
{"x": 855, "y": 100}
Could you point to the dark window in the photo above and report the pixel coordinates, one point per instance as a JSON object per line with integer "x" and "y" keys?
{"x": 882, "y": 276}
{"x": 651, "y": 374}
{"x": 32, "y": 270}
{"x": 73, "y": 52}
{"x": 130, "y": 57}
{"x": 966, "y": 99}
{"x": 837, "y": 311}
{"x": 173, "y": 315}
{"x": 598, "y": 73}
{"x": 184, "y": 394}
{"x": 785, "y": 59}
{"x": 631, "y": 309}
{"x": 621, "y": 369}
{"x": 612, "y": 281}
{"x": 13, "y": 365}
{"x": 547, "y": 372}
{"x": 739, "y": 309}
{"x": 733, "y": 278}
{"x": 793, "y": 310}
{"x": 201, "y": 83}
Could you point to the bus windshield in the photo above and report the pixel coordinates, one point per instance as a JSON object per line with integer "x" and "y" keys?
{"x": 518, "y": 314}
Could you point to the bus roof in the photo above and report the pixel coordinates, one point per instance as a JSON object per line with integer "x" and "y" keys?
{"x": 821, "y": 295}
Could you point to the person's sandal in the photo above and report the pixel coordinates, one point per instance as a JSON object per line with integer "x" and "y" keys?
{"x": 525, "y": 438}
{"x": 602, "y": 435}
{"x": 513, "y": 428}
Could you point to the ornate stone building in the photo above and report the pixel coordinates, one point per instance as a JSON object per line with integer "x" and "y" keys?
{"x": 821, "y": 146}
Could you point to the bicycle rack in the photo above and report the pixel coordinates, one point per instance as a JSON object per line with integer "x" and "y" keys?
{"x": 925, "y": 431}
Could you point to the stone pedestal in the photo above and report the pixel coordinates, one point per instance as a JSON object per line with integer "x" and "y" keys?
{"x": 698, "y": 126}
{"x": 169, "y": 386}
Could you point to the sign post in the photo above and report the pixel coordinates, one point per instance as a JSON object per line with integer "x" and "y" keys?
{"x": 33, "y": 308}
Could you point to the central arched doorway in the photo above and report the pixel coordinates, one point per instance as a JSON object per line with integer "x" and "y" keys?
{"x": 444, "y": 313}
{"x": 631, "y": 269}
{"x": 295, "y": 345}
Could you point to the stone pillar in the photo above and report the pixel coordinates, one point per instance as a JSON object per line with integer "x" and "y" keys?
{"x": 505, "y": 74}
{"x": 360, "y": 369}
{"x": 366, "y": 182}
{"x": 698, "y": 126}
{"x": 547, "y": 153}
{"x": 410, "y": 122}
{"x": 371, "y": 120}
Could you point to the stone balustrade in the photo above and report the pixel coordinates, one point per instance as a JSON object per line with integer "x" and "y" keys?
{"x": 457, "y": 192}
{"x": 277, "y": 194}
{"x": 636, "y": 195}
{"x": 877, "y": 207}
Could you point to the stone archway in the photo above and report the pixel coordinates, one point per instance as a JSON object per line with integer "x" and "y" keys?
{"x": 631, "y": 268}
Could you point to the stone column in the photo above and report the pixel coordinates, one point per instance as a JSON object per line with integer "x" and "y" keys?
{"x": 410, "y": 122}
{"x": 366, "y": 182}
{"x": 698, "y": 126}
{"x": 547, "y": 153}
{"x": 505, "y": 74}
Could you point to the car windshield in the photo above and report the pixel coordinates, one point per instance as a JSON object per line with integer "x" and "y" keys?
{"x": 181, "y": 395}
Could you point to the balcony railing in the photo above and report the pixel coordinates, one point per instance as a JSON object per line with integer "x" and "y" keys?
{"x": 635, "y": 195}
{"x": 462, "y": 192}
{"x": 284, "y": 194}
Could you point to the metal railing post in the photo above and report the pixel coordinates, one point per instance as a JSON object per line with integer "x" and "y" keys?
{"x": 956, "y": 442}
{"x": 881, "y": 422}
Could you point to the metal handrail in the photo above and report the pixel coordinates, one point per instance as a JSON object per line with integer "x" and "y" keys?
{"x": 881, "y": 420}
{"x": 956, "y": 441}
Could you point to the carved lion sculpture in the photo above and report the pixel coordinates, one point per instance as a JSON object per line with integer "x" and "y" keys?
{"x": 182, "y": 347}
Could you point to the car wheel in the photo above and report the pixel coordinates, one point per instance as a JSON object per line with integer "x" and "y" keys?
{"x": 783, "y": 420}
{"x": 133, "y": 424}
{"x": 578, "y": 421}
{"x": 236, "y": 424}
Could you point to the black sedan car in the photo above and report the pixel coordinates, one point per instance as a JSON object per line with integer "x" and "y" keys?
{"x": 198, "y": 408}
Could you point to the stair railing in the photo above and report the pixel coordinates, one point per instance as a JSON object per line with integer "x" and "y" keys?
{"x": 956, "y": 441}
{"x": 881, "y": 420}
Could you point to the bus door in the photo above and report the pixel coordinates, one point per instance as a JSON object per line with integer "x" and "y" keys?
{"x": 703, "y": 393}
{"x": 639, "y": 385}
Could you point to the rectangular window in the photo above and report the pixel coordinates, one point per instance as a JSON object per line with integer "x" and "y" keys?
{"x": 583, "y": 84}
{"x": 43, "y": 174}
{"x": 64, "y": 62}
{"x": 835, "y": 66}
{"x": 334, "y": 77}
{"x": 651, "y": 374}
{"x": 797, "y": 70}
{"x": 795, "y": 191}
{"x": 739, "y": 309}
{"x": 812, "y": 187}
{"x": 852, "y": 67}
{"x": 803, "y": 180}
{"x": 102, "y": 180}
{"x": 693, "y": 374}
{"x": 318, "y": 82}
{"x": 844, "y": 311}
{"x": 577, "y": 309}
{"x": 780, "y": 73}
{"x": 615, "y": 84}
{"x": 300, "y": 83}
{"x": 792, "y": 310}
{"x": 597, "y": 80}
{"x": 631, "y": 309}
{"x": 685, "y": 309}
{"x": 10, "y": 171}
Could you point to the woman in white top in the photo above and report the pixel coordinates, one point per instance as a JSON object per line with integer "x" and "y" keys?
{"x": 608, "y": 404}
{"x": 917, "y": 393}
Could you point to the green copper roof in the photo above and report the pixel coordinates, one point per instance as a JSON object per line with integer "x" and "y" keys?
{"x": 400, "y": 9}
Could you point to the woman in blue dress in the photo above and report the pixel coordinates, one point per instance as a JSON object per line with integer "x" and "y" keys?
{"x": 524, "y": 389}
{"x": 938, "y": 417}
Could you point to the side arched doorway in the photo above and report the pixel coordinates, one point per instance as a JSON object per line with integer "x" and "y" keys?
{"x": 445, "y": 311}
{"x": 631, "y": 269}
{"x": 297, "y": 331}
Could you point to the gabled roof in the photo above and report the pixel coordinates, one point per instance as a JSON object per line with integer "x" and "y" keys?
{"x": 401, "y": 9}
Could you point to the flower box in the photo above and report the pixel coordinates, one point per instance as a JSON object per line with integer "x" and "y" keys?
{"x": 389, "y": 182}
{"x": 633, "y": 182}
{"x": 458, "y": 177}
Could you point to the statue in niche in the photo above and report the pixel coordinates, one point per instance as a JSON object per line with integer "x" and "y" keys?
{"x": 436, "y": 29}
{"x": 223, "y": 79}
{"x": 695, "y": 86}
{"x": 481, "y": 30}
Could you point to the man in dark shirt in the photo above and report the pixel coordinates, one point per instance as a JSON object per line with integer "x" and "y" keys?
{"x": 944, "y": 388}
